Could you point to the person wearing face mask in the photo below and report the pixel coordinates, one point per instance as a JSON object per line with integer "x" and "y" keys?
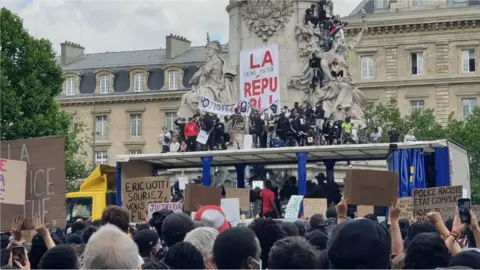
{"x": 244, "y": 254}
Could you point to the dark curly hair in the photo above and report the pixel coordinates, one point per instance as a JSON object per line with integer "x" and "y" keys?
{"x": 427, "y": 251}
{"x": 268, "y": 232}
{"x": 293, "y": 253}
{"x": 417, "y": 228}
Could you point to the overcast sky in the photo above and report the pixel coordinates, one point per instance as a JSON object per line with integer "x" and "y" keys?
{"x": 119, "y": 25}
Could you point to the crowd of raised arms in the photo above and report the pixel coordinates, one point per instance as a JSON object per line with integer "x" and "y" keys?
{"x": 331, "y": 240}
{"x": 299, "y": 126}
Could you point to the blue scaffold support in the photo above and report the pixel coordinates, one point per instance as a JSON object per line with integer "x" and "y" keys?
{"x": 302, "y": 176}
{"x": 302, "y": 173}
{"x": 206, "y": 169}
{"x": 330, "y": 170}
{"x": 118, "y": 184}
{"x": 240, "y": 168}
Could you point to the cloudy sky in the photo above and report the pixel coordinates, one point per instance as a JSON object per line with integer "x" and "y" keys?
{"x": 118, "y": 25}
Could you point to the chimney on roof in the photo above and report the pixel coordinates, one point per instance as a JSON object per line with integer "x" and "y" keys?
{"x": 70, "y": 52}
{"x": 176, "y": 45}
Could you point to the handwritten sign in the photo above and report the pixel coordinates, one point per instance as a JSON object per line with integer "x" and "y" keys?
{"x": 363, "y": 210}
{"x": 293, "y": 208}
{"x": 438, "y": 199}
{"x": 406, "y": 208}
{"x": 154, "y": 207}
{"x": 260, "y": 77}
{"x": 314, "y": 206}
{"x": 45, "y": 183}
{"x": 243, "y": 194}
{"x": 13, "y": 181}
{"x": 137, "y": 193}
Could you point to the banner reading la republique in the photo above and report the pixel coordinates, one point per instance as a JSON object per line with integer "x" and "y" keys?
{"x": 260, "y": 78}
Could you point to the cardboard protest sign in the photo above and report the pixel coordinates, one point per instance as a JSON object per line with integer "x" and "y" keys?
{"x": 243, "y": 194}
{"x": 369, "y": 187}
{"x": 154, "y": 207}
{"x": 293, "y": 208}
{"x": 197, "y": 196}
{"x": 314, "y": 206}
{"x": 45, "y": 183}
{"x": 406, "y": 208}
{"x": 13, "y": 181}
{"x": 363, "y": 210}
{"x": 438, "y": 199}
{"x": 137, "y": 193}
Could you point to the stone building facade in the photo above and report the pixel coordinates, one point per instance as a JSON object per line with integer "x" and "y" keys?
{"x": 425, "y": 55}
{"x": 422, "y": 53}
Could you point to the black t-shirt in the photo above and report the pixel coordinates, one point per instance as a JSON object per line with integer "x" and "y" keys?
{"x": 301, "y": 124}
{"x": 259, "y": 125}
{"x": 320, "y": 113}
{"x": 283, "y": 124}
{"x": 208, "y": 122}
{"x": 219, "y": 126}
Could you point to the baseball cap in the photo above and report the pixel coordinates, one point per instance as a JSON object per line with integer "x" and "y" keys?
{"x": 212, "y": 216}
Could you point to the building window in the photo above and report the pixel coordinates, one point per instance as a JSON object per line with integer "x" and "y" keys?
{"x": 418, "y": 3}
{"x": 170, "y": 120}
{"x": 136, "y": 125}
{"x": 101, "y": 126}
{"x": 468, "y": 105}
{"x": 381, "y": 4}
{"x": 417, "y": 63}
{"x": 135, "y": 152}
{"x": 104, "y": 84}
{"x": 417, "y": 105}
{"x": 468, "y": 61}
{"x": 70, "y": 86}
{"x": 173, "y": 78}
{"x": 139, "y": 80}
{"x": 367, "y": 66}
{"x": 101, "y": 157}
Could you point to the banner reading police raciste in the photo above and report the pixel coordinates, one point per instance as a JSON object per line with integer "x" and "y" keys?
{"x": 259, "y": 78}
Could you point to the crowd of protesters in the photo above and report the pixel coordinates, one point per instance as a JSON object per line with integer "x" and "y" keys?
{"x": 169, "y": 240}
{"x": 298, "y": 126}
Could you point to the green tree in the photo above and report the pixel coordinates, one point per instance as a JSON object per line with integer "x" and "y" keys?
{"x": 427, "y": 128}
{"x": 30, "y": 80}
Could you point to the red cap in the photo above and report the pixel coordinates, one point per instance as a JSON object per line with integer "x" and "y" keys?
{"x": 212, "y": 216}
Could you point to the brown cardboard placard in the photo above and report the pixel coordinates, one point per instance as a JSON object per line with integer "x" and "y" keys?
{"x": 363, "y": 210}
{"x": 437, "y": 199}
{"x": 197, "y": 196}
{"x": 314, "y": 206}
{"x": 137, "y": 193}
{"x": 370, "y": 187}
{"x": 46, "y": 185}
{"x": 13, "y": 181}
{"x": 243, "y": 194}
{"x": 406, "y": 209}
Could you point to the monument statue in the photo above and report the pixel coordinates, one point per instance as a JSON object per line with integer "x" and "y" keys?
{"x": 265, "y": 17}
{"x": 328, "y": 44}
{"x": 213, "y": 80}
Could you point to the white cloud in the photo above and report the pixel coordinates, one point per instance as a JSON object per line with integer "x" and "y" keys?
{"x": 116, "y": 25}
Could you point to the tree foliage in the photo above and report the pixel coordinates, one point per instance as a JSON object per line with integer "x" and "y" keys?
{"x": 427, "y": 128}
{"x": 30, "y": 80}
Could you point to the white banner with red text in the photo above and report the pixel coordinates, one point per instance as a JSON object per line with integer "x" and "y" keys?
{"x": 260, "y": 78}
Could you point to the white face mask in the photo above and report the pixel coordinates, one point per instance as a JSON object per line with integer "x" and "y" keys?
{"x": 259, "y": 263}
